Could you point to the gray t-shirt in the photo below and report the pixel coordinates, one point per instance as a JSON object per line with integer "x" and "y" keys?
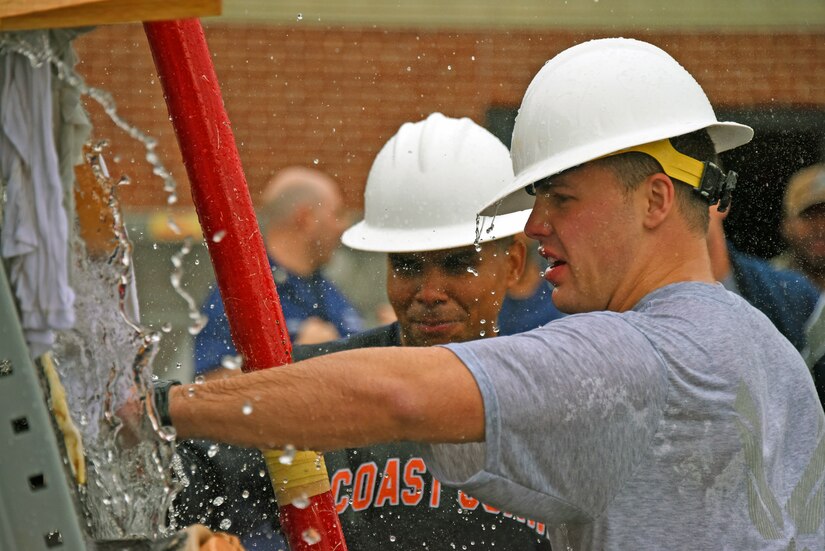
{"x": 686, "y": 423}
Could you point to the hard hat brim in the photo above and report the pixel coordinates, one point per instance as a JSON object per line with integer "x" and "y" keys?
{"x": 725, "y": 136}
{"x": 364, "y": 237}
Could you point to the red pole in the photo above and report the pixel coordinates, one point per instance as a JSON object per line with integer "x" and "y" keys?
{"x": 224, "y": 208}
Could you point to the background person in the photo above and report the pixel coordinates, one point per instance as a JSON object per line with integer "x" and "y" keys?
{"x": 803, "y": 224}
{"x": 302, "y": 220}
{"x": 442, "y": 289}
{"x": 667, "y": 413}
{"x": 803, "y": 227}
{"x": 787, "y": 297}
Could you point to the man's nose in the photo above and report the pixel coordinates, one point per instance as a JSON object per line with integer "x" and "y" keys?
{"x": 432, "y": 287}
{"x": 538, "y": 223}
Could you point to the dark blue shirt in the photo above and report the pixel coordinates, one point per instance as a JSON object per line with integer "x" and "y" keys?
{"x": 519, "y": 315}
{"x": 785, "y": 296}
{"x": 301, "y": 298}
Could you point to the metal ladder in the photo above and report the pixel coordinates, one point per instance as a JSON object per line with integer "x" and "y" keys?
{"x": 37, "y": 505}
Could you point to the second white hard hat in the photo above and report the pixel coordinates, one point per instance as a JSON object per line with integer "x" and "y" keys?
{"x": 427, "y": 185}
{"x": 603, "y": 96}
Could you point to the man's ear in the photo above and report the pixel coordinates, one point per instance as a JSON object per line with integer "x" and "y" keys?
{"x": 659, "y": 198}
{"x": 302, "y": 217}
{"x": 517, "y": 259}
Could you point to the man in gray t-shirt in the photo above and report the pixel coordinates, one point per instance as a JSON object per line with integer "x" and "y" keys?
{"x": 664, "y": 413}
{"x": 648, "y": 429}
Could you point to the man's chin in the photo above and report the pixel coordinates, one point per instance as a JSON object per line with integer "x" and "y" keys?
{"x": 418, "y": 338}
{"x": 430, "y": 341}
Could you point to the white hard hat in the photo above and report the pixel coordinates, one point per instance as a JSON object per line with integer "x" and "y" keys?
{"x": 603, "y": 96}
{"x": 427, "y": 185}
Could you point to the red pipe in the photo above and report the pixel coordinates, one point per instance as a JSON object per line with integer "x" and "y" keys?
{"x": 224, "y": 208}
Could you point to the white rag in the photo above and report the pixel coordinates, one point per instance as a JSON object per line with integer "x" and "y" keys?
{"x": 35, "y": 225}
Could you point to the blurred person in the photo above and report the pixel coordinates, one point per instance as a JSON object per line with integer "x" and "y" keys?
{"x": 803, "y": 227}
{"x": 787, "y": 297}
{"x": 302, "y": 220}
{"x": 803, "y": 224}
{"x": 666, "y": 413}
{"x": 441, "y": 289}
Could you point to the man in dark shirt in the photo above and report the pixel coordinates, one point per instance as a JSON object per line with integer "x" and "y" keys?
{"x": 444, "y": 287}
{"x": 302, "y": 221}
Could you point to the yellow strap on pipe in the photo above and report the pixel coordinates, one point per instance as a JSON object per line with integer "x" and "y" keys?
{"x": 299, "y": 479}
{"x": 60, "y": 409}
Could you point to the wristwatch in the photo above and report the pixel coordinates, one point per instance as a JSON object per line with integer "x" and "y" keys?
{"x": 160, "y": 391}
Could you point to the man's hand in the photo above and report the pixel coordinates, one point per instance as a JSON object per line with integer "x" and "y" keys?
{"x": 314, "y": 330}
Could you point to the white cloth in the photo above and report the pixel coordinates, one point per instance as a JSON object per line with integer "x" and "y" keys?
{"x": 35, "y": 225}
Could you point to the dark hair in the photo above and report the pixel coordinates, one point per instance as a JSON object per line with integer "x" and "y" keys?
{"x": 632, "y": 168}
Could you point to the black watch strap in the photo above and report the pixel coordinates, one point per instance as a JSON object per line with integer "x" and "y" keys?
{"x": 161, "y": 395}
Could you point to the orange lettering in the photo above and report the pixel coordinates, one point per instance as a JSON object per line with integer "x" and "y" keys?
{"x": 467, "y": 502}
{"x": 343, "y": 476}
{"x": 364, "y": 488}
{"x": 413, "y": 480}
{"x": 435, "y": 496}
{"x": 489, "y": 509}
{"x": 388, "y": 490}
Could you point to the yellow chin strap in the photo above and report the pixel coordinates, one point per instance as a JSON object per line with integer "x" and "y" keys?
{"x": 676, "y": 165}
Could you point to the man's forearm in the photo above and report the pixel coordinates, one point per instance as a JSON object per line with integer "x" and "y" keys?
{"x": 348, "y": 399}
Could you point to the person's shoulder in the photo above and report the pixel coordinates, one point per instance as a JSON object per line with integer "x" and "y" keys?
{"x": 387, "y": 335}
{"x": 749, "y": 266}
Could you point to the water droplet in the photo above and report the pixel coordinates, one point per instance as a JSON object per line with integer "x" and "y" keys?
{"x": 483, "y": 322}
{"x": 218, "y": 236}
{"x": 472, "y": 58}
{"x": 199, "y": 380}
{"x": 172, "y": 199}
{"x": 232, "y": 362}
{"x": 245, "y": 494}
{"x": 288, "y": 456}
{"x": 247, "y": 408}
{"x": 299, "y": 17}
{"x": 173, "y": 226}
{"x": 449, "y": 67}
{"x": 482, "y": 333}
{"x": 218, "y": 500}
{"x": 166, "y": 327}
{"x": 190, "y": 392}
{"x": 311, "y": 536}
{"x": 315, "y": 161}
{"x": 392, "y": 538}
{"x": 198, "y": 325}
{"x": 472, "y": 270}
{"x": 301, "y": 501}
{"x": 225, "y": 524}
{"x": 213, "y": 449}
{"x": 124, "y": 180}
{"x": 178, "y": 365}
{"x": 155, "y": 246}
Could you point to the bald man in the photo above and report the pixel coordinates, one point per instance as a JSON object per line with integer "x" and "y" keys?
{"x": 302, "y": 221}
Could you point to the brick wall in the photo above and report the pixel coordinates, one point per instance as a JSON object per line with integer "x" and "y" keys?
{"x": 331, "y": 97}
